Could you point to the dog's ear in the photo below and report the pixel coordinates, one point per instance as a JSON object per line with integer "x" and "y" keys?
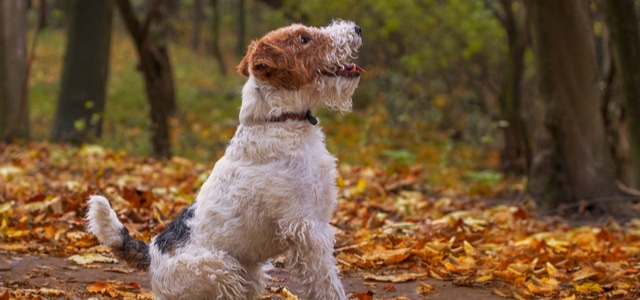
{"x": 269, "y": 63}
{"x": 243, "y": 67}
{"x": 267, "y": 60}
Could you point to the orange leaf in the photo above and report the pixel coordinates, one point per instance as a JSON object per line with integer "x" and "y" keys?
{"x": 389, "y": 288}
{"x": 363, "y": 296}
{"x": 99, "y": 287}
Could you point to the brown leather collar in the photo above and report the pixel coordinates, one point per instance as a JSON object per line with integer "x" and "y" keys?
{"x": 296, "y": 117}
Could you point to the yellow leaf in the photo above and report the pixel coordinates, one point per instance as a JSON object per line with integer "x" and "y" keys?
{"x": 461, "y": 265}
{"x": 288, "y": 295}
{"x": 90, "y": 258}
{"x": 544, "y": 286}
{"x": 484, "y": 278}
{"x": 51, "y": 292}
{"x": 589, "y": 287}
{"x": 518, "y": 268}
{"x": 551, "y": 270}
{"x": 469, "y": 250}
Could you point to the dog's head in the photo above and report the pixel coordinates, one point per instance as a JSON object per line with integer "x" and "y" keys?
{"x": 297, "y": 68}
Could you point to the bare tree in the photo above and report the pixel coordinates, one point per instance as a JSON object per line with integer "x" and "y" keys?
{"x": 14, "y": 106}
{"x": 149, "y": 36}
{"x": 84, "y": 77}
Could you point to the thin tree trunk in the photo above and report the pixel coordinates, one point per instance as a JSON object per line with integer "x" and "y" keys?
{"x": 516, "y": 153}
{"x": 623, "y": 25}
{"x": 241, "y": 45}
{"x": 578, "y": 149}
{"x": 14, "y": 106}
{"x": 197, "y": 24}
{"x": 215, "y": 36}
{"x": 84, "y": 78}
{"x": 42, "y": 15}
{"x": 156, "y": 69}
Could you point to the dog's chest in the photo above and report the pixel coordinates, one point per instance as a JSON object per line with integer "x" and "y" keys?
{"x": 265, "y": 176}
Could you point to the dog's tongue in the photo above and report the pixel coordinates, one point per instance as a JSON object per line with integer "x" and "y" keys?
{"x": 353, "y": 68}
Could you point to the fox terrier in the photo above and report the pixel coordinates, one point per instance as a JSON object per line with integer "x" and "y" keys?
{"x": 273, "y": 191}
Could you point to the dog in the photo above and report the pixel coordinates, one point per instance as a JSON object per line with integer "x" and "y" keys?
{"x": 274, "y": 190}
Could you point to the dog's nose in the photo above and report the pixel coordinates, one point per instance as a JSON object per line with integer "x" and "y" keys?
{"x": 358, "y": 30}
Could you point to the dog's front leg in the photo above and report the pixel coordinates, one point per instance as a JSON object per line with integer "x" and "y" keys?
{"x": 311, "y": 260}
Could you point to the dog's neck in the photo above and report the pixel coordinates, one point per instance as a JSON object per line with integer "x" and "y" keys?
{"x": 262, "y": 104}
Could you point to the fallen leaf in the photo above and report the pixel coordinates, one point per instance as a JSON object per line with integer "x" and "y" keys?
{"x": 364, "y": 296}
{"x": 288, "y": 295}
{"x": 389, "y": 288}
{"x": 397, "y": 278}
{"x": 588, "y": 287}
{"x": 425, "y": 288}
{"x": 90, "y": 258}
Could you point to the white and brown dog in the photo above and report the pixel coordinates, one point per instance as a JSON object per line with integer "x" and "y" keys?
{"x": 272, "y": 192}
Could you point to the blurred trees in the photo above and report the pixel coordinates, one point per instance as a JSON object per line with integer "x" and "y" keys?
{"x": 623, "y": 25}
{"x": 150, "y": 37}
{"x": 14, "y": 105}
{"x": 84, "y": 77}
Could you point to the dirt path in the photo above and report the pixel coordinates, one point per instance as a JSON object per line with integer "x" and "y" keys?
{"x": 46, "y": 274}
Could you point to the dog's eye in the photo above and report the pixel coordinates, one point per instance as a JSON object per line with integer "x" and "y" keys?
{"x": 304, "y": 40}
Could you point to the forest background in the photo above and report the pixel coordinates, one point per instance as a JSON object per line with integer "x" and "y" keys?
{"x": 453, "y": 86}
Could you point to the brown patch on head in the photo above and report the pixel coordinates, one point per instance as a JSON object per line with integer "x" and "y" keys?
{"x": 289, "y": 57}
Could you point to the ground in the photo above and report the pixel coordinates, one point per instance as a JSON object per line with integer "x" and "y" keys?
{"x": 58, "y": 273}
{"x": 398, "y": 234}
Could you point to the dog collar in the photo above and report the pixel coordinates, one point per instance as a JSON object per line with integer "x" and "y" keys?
{"x": 295, "y": 116}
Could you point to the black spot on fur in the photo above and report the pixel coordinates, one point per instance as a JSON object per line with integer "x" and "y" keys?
{"x": 177, "y": 232}
{"x": 133, "y": 251}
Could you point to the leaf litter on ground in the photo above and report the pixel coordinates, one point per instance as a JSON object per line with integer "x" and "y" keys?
{"x": 389, "y": 226}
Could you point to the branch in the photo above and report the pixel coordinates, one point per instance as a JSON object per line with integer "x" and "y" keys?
{"x": 151, "y": 14}
{"x": 130, "y": 20}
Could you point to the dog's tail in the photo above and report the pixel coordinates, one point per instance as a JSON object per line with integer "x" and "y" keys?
{"x": 104, "y": 224}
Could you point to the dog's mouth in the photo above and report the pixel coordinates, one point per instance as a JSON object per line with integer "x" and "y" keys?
{"x": 348, "y": 70}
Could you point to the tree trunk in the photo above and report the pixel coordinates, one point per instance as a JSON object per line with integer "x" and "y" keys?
{"x": 577, "y": 147}
{"x": 84, "y": 77}
{"x": 155, "y": 67}
{"x": 42, "y": 15}
{"x": 215, "y": 36}
{"x": 14, "y": 106}
{"x": 197, "y": 24}
{"x": 241, "y": 45}
{"x": 623, "y": 25}
{"x": 515, "y": 156}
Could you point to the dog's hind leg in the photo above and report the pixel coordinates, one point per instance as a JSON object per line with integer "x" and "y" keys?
{"x": 199, "y": 273}
{"x": 311, "y": 260}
